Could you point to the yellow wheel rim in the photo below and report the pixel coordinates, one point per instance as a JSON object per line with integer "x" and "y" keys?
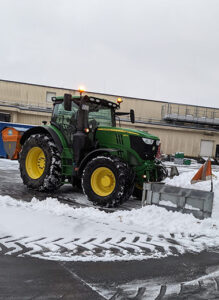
{"x": 103, "y": 181}
{"x": 35, "y": 162}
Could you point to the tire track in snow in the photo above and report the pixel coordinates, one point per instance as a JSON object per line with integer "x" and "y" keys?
{"x": 206, "y": 287}
{"x": 94, "y": 248}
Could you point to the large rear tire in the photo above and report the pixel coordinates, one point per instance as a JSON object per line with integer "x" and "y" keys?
{"x": 40, "y": 163}
{"x": 107, "y": 181}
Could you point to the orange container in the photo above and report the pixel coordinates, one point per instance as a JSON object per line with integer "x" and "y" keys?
{"x": 11, "y": 141}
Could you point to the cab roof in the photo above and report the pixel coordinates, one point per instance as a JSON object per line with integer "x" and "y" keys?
{"x": 91, "y": 99}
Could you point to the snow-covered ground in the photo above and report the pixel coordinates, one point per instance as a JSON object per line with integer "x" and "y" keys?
{"x": 53, "y": 230}
{"x": 6, "y": 164}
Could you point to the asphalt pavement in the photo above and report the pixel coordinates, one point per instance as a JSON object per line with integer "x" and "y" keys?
{"x": 31, "y": 278}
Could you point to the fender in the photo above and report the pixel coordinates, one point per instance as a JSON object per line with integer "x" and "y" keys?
{"x": 41, "y": 129}
{"x": 93, "y": 154}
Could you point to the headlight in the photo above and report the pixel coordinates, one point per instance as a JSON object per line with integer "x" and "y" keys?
{"x": 148, "y": 141}
{"x": 158, "y": 142}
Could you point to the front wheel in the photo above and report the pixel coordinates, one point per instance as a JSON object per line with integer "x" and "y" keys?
{"x": 105, "y": 181}
{"x": 40, "y": 163}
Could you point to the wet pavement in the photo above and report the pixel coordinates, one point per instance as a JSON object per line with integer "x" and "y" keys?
{"x": 30, "y": 278}
{"x": 11, "y": 184}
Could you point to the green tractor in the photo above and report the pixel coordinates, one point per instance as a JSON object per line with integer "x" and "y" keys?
{"x": 83, "y": 146}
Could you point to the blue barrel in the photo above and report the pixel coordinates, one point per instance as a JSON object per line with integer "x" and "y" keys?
{"x": 3, "y": 125}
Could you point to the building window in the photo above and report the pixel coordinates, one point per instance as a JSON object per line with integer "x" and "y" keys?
{"x": 4, "y": 117}
{"x": 49, "y": 96}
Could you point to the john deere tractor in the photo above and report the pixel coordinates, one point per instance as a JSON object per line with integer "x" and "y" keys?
{"x": 82, "y": 145}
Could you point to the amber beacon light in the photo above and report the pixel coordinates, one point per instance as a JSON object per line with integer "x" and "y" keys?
{"x": 119, "y": 100}
{"x": 81, "y": 89}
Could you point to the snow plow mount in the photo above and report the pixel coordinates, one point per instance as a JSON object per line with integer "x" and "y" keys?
{"x": 197, "y": 202}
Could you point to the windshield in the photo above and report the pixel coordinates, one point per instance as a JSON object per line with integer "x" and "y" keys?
{"x": 93, "y": 115}
{"x": 102, "y": 115}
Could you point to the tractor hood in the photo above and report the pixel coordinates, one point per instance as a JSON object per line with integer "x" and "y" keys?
{"x": 128, "y": 131}
{"x": 136, "y": 145}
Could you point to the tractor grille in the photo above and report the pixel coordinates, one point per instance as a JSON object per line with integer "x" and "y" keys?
{"x": 144, "y": 151}
{"x": 119, "y": 139}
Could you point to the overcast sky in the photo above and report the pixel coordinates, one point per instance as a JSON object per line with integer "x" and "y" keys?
{"x": 155, "y": 49}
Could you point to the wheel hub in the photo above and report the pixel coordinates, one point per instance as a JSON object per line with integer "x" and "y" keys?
{"x": 41, "y": 162}
{"x": 35, "y": 162}
{"x": 106, "y": 181}
{"x": 103, "y": 181}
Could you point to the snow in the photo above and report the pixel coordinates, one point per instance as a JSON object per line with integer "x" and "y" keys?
{"x": 9, "y": 164}
{"x": 183, "y": 180}
{"x": 50, "y": 219}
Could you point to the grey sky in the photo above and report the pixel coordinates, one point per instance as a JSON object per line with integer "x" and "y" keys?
{"x": 155, "y": 49}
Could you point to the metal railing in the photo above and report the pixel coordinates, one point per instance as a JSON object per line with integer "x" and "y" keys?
{"x": 192, "y": 125}
{"x": 190, "y": 114}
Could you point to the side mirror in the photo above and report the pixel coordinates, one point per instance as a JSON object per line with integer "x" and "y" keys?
{"x": 132, "y": 115}
{"x": 67, "y": 102}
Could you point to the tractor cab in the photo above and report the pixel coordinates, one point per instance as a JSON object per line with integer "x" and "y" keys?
{"x": 76, "y": 113}
{"x": 78, "y": 118}
{"x": 82, "y": 112}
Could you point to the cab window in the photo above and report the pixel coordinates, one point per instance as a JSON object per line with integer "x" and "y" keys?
{"x": 64, "y": 117}
{"x": 102, "y": 116}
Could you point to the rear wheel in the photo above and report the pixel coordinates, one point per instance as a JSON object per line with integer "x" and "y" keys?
{"x": 40, "y": 163}
{"x": 106, "y": 181}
